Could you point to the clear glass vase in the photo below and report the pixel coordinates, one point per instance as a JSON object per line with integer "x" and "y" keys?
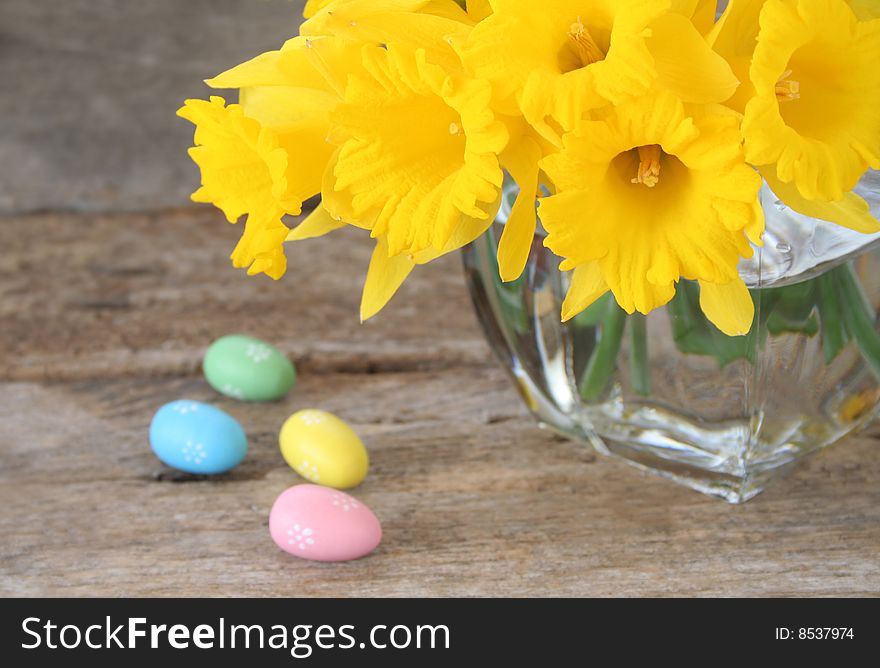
{"x": 669, "y": 392}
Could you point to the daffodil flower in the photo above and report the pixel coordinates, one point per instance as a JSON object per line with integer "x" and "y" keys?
{"x": 736, "y": 38}
{"x": 262, "y": 158}
{"x": 814, "y": 116}
{"x": 243, "y": 173}
{"x": 418, "y": 152}
{"x": 566, "y": 57}
{"x": 649, "y": 195}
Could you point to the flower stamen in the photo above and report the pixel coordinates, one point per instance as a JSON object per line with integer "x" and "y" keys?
{"x": 649, "y": 165}
{"x": 786, "y": 89}
{"x": 583, "y": 44}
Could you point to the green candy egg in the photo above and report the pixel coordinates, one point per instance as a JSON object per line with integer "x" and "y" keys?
{"x": 248, "y": 369}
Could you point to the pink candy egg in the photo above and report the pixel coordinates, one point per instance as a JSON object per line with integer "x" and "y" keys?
{"x": 323, "y": 524}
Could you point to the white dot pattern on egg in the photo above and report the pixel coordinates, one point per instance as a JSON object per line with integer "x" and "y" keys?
{"x": 344, "y": 502}
{"x": 258, "y": 352}
{"x": 311, "y": 417}
{"x": 232, "y": 391}
{"x": 194, "y": 452}
{"x": 302, "y": 537}
{"x": 308, "y": 471}
{"x": 185, "y": 407}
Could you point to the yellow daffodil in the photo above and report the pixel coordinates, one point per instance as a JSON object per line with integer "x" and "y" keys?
{"x": 736, "y": 39}
{"x": 649, "y": 195}
{"x": 244, "y": 172}
{"x": 418, "y": 152}
{"x": 814, "y": 114}
{"x": 262, "y": 158}
{"x": 556, "y": 61}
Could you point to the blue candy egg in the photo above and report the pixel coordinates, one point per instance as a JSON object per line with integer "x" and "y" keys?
{"x": 197, "y": 438}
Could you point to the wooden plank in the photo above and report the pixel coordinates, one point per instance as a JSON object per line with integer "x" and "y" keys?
{"x": 109, "y": 296}
{"x": 474, "y": 499}
{"x": 104, "y": 320}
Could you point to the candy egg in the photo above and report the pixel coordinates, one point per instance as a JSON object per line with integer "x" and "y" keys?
{"x": 246, "y": 368}
{"x": 197, "y": 438}
{"x": 322, "y": 448}
{"x": 323, "y": 524}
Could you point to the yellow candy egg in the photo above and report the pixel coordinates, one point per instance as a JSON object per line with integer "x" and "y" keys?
{"x": 323, "y": 449}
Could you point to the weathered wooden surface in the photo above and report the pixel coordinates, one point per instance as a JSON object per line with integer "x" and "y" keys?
{"x": 104, "y": 319}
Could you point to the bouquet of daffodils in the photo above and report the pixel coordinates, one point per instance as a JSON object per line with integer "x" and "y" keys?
{"x": 644, "y": 129}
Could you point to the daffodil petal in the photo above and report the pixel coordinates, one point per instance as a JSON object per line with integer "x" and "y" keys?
{"x": 851, "y": 212}
{"x": 287, "y": 106}
{"x": 703, "y": 15}
{"x": 439, "y": 28}
{"x": 384, "y": 277}
{"x": 468, "y": 230}
{"x": 686, "y": 64}
{"x": 338, "y": 203}
{"x": 737, "y": 29}
{"x": 243, "y": 168}
{"x": 318, "y": 223}
{"x": 260, "y": 248}
{"x": 729, "y": 307}
{"x": 296, "y": 64}
{"x": 521, "y": 160}
{"x": 314, "y": 6}
{"x": 479, "y": 9}
{"x": 263, "y": 70}
{"x": 587, "y": 285}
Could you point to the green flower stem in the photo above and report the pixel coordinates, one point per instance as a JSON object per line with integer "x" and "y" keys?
{"x": 695, "y": 335}
{"x": 844, "y": 312}
{"x": 859, "y": 317}
{"x": 638, "y": 355}
{"x": 834, "y": 332}
{"x": 604, "y": 360}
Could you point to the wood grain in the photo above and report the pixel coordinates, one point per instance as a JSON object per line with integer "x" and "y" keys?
{"x": 105, "y": 318}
